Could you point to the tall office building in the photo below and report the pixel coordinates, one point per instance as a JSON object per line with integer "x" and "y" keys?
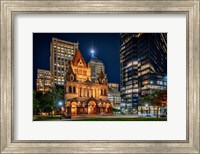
{"x": 129, "y": 70}
{"x": 96, "y": 67}
{"x": 43, "y": 81}
{"x": 152, "y": 62}
{"x": 114, "y": 95}
{"x": 143, "y": 59}
{"x": 60, "y": 53}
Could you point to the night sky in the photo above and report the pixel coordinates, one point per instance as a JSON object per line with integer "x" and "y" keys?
{"x": 105, "y": 45}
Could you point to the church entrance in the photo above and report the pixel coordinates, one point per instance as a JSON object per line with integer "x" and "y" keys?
{"x": 108, "y": 108}
{"x": 74, "y": 108}
{"x": 91, "y": 107}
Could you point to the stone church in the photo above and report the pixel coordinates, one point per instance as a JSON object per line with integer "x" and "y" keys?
{"x": 82, "y": 96}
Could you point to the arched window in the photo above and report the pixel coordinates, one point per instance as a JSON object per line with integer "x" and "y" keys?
{"x": 105, "y": 93}
{"x": 101, "y": 91}
{"x": 71, "y": 78}
{"x": 87, "y": 93}
{"x": 91, "y": 92}
{"x": 80, "y": 92}
{"x": 74, "y": 89}
{"x": 70, "y": 89}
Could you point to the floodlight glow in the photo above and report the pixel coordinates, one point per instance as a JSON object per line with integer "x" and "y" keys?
{"x": 92, "y": 53}
{"x": 60, "y": 103}
{"x": 146, "y": 104}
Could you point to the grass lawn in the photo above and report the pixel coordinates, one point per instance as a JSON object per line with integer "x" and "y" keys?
{"x": 57, "y": 118}
{"x": 123, "y": 119}
{"x": 45, "y": 118}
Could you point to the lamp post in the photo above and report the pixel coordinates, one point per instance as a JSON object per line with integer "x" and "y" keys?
{"x": 146, "y": 110}
{"x": 60, "y": 107}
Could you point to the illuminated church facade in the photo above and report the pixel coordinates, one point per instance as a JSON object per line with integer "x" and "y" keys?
{"x": 82, "y": 96}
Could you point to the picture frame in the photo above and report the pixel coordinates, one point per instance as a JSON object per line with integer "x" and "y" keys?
{"x": 9, "y": 8}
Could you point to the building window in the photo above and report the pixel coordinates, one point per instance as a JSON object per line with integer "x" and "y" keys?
{"x": 87, "y": 93}
{"x": 80, "y": 91}
{"x": 74, "y": 89}
{"x": 71, "y": 78}
{"x": 105, "y": 93}
{"x": 70, "y": 89}
{"x": 101, "y": 91}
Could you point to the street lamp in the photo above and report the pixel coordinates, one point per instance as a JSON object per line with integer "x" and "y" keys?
{"x": 146, "y": 109}
{"x": 60, "y": 103}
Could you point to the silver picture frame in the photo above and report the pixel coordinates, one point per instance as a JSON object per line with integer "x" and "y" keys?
{"x": 11, "y": 7}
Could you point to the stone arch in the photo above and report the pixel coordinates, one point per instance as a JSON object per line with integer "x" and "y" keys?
{"x": 74, "y": 108}
{"x": 108, "y": 107}
{"x": 92, "y": 106}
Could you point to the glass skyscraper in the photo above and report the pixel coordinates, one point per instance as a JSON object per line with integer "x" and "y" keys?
{"x": 143, "y": 62}
{"x": 152, "y": 62}
{"x": 129, "y": 70}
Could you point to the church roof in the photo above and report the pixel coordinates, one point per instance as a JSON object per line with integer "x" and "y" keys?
{"x": 88, "y": 81}
{"x": 78, "y": 56}
{"x": 70, "y": 70}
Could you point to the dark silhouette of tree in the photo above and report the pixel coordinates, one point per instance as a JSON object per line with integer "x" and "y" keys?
{"x": 36, "y": 103}
{"x": 57, "y": 93}
{"x": 46, "y": 103}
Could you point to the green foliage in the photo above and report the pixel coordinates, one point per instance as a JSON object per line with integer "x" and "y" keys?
{"x": 46, "y": 102}
{"x": 115, "y": 110}
{"x": 36, "y": 103}
{"x": 155, "y": 98}
{"x": 57, "y": 93}
{"x": 121, "y": 119}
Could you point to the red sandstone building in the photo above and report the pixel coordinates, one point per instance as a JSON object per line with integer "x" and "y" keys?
{"x": 82, "y": 95}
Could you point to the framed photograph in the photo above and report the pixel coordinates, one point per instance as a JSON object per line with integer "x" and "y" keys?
{"x": 99, "y": 76}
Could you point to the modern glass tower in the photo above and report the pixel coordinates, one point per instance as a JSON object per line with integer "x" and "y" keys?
{"x": 143, "y": 66}
{"x": 129, "y": 70}
{"x": 152, "y": 62}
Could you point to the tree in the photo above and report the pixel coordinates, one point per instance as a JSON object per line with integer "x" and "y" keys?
{"x": 156, "y": 99}
{"x": 57, "y": 93}
{"x": 46, "y": 103}
{"x": 36, "y": 103}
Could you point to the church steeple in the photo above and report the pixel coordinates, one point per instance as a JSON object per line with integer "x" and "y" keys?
{"x": 70, "y": 75}
{"x": 102, "y": 79}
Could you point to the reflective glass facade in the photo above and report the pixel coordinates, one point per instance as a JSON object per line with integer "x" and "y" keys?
{"x": 129, "y": 70}
{"x": 143, "y": 66}
{"x": 152, "y": 62}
